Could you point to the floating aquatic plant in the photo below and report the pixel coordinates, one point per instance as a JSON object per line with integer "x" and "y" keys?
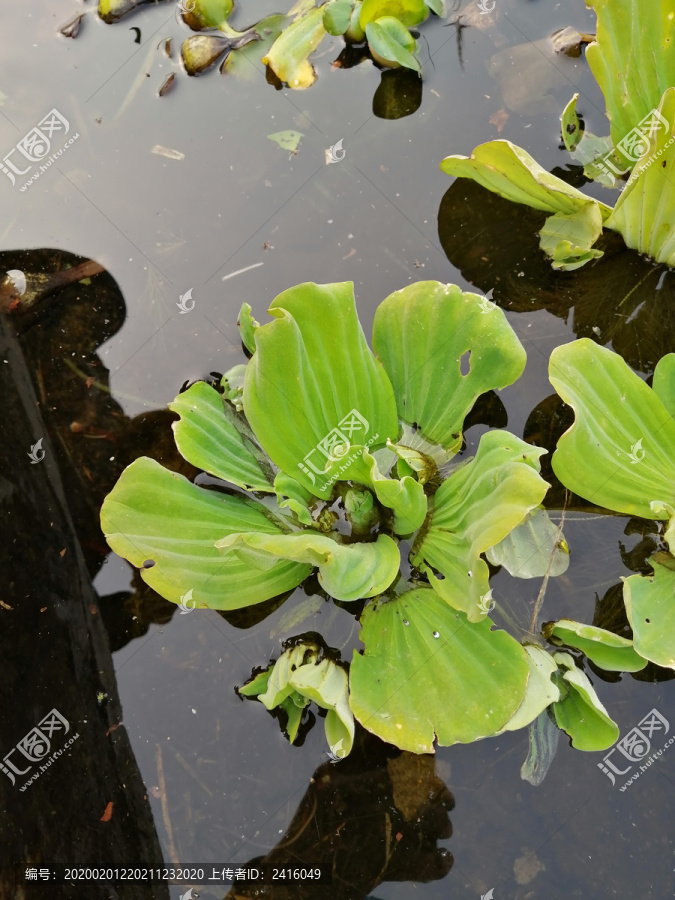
{"x": 332, "y": 458}
{"x": 633, "y": 60}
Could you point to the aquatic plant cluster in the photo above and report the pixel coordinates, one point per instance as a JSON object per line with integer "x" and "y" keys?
{"x": 345, "y": 460}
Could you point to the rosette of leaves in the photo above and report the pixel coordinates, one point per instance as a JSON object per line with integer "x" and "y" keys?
{"x": 318, "y": 431}
{"x": 620, "y": 454}
{"x": 633, "y": 60}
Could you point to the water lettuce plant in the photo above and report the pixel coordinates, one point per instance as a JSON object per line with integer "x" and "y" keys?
{"x": 326, "y": 456}
{"x": 620, "y": 453}
{"x": 633, "y": 60}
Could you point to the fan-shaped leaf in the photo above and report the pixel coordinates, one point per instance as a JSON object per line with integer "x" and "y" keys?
{"x": 426, "y": 671}
{"x": 607, "y": 650}
{"x": 527, "y": 550}
{"x": 650, "y": 606}
{"x": 287, "y": 57}
{"x": 391, "y": 44}
{"x": 580, "y": 713}
{"x": 155, "y": 514}
{"x": 425, "y": 334}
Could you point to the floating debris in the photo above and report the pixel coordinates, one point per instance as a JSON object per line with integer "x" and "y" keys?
{"x": 168, "y": 152}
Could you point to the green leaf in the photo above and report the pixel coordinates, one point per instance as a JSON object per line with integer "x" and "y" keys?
{"x": 663, "y": 382}
{"x": 570, "y": 125}
{"x": 287, "y": 57}
{"x": 287, "y": 140}
{"x": 644, "y": 214}
{"x": 474, "y": 509}
{"x": 279, "y": 685}
{"x": 407, "y": 12}
{"x": 328, "y": 686}
{"x": 207, "y": 439}
{"x": 405, "y": 497}
{"x": 245, "y": 322}
{"x": 512, "y": 173}
{"x": 336, "y": 16}
{"x": 207, "y": 13}
{"x": 540, "y": 693}
{"x": 436, "y": 6}
{"x": 526, "y": 551}
{"x": 242, "y": 63}
{"x": 632, "y": 59}
{"x": 257, "y": 685}
{"x": 390, "y": 43}
{"x": 232, "y": 383}
{"x": 580, "y": 713}
{"x": 155, "y": 514}
{"x": 200, "y": 51}
{"x": 346, "y": 571}
{"x": 425, "y": 335}
{"x": 650, "y": 607}
{"x": 313, "y": 386}
{"x": 607, "y": 650}
{"x": 619, "y": 452}
{"x": 292, "y": 494}
{"x": 426, "y": 672}
{"x": 568, "y": 238}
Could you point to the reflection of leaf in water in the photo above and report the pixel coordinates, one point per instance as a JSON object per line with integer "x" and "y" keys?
{"x": 399, "y": 94}
{"x": 525, "y": 73}
{"x": 623, "y": 299}
{"x": 291, "y": 620}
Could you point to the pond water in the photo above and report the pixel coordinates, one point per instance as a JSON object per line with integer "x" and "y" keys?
{"x": 232, "y": 216}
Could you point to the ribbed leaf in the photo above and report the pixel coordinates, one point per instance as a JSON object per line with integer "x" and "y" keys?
{"x": 474, "y": 509}
{"x": 155, "y": 514}
{"x": 568, "y": 238}
{"x": 644, "y": 214}
{"x": 287, "y": 57}
{"x": 620, "y": 452}
{"x": 527, "y": 550}
{"x": 607, "y": 650}
{"x": 391, "y": 44}
{"x": 346, "y": 571}
{"x": 206, "y": 438}
{"x": 663, "y": 382}
{"x": 580, "y": 713}
{"x": 313, "y": 387}
{"x": 425, "y": 335}
{"x": 408, "y": 12}
{"x": 512, "y": 173}
{"x": 633, "y": 58}
{"x": 650, "y": 606}
{"x": 426, "y": 671}
{"x": 405, "y": 497}
{"x": 540, "y": 692}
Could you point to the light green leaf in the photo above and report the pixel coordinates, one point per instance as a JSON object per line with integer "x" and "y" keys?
{"x": 426, "y": 335}
{"x": 580, "y": 713}
{"x": 632, "y": 59}
{"x": 568, "y": 238}
{"x": 245, "y": 322}
{"x": 242, "y": 63}
{"x": 650, "y": 607}
{"x": 512, "y": 173}
{"x": 619, "y": 452}
{"x": 279, "y": 685}
{"x": 663, "y": 382}
{"x": 206, "y": 438}
{"x": 607, "y": 650}
{"x": 526, "y": 551}
{"x": 407, "y": 12}
{"x": 155, "y": 514}
{"x": 207, "y": 13}
{"x": 287, "y": 140}
{"x": 287, "y": 57}
{"x": 427, "y": 672}
{"x": 474, "y": 509}
{"x": 346, "y": 571}
{"x": 328, "y": 686}
{"x": 336, "y": 16}
{"x": 436, "y": 6}
{"x": 257, "y": 685}
{"x": 200, "y": 51}
{"x": 540, "y": 691}
{"x": 390, "y": 43}
{"x": 570, "y": 125}
{"x": 313, "y": 386}
{"x": 232, "y": 383}
{"x": 405, "y": 497}
{"x": 292, "y": 494}
{"x": 644, "y": 214}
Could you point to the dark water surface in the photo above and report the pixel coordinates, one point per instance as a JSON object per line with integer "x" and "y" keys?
{"x": 222, "y": 782}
